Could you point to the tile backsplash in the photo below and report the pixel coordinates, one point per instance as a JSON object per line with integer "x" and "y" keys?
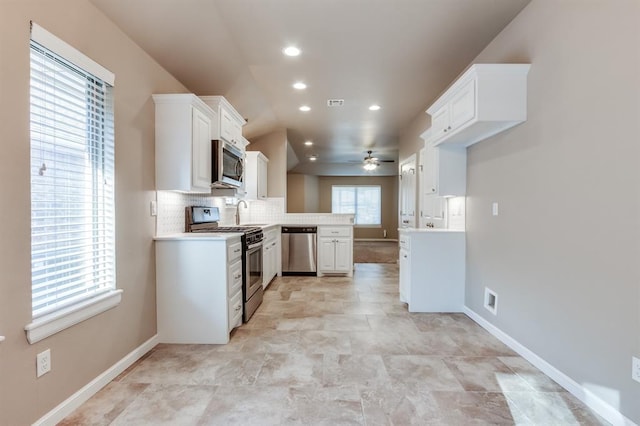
{"x": 171, "y": 212}
{"x": 456, "y": 213}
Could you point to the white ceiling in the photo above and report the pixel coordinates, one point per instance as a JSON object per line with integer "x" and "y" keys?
{"x": 400, "y": 54}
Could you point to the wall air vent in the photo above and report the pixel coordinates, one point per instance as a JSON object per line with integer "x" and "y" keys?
{"x": 335, "y": 102}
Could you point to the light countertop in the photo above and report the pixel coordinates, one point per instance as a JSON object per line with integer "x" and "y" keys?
{"x": 200, "y": 236}
{"x": 420, "y": 230}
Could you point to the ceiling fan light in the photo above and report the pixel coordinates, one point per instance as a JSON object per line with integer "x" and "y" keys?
{"x": 369, "y": 166}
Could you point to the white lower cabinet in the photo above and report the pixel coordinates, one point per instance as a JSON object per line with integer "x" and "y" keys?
{"x": 432, "y": 270}
{"x": 270, "y": 255}
{"x": 335, "y": 250}
{"x": 198, "y": 289}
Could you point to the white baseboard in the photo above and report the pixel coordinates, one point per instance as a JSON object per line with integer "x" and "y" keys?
{"x": 67, "y": 406}
{"x": 597, "y": 404}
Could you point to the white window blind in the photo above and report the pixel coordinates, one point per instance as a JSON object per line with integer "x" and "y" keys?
{"x": 72, "y": 184}
{"x": 363, "y": 201}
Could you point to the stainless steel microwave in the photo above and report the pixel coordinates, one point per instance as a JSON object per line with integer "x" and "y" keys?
{"x": 227, "y": 165}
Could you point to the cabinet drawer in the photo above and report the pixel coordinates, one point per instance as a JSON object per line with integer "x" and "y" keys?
{"x": 234, "y": 280}
{"x": 234, "y": 250}
{"x": 235, "y": 311}
{"x": 335, "y": 231}
{"x": 270, "y": 236}
{"x": 405, "y": 242}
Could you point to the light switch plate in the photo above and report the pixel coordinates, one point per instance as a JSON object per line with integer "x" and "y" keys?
{"x": 494, "y": 209}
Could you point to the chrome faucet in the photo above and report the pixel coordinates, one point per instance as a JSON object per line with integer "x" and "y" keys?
{"x": 238, "y": 210}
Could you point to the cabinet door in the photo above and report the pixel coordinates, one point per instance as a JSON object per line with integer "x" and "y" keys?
{"x": 227, "y": 126}
{"x": 463, "y": 105}
{"x": 201, "y": 151}
{"x": 408, "y": 193}
{"x": 343, "y": 254}
{"x": 262, "y": 178}
{"x": 440, "y": 122}
{"x": 430, "y": 170}
{"x": 405, "y": 276}
{"x": 326, "y": 254}
{"x": 266, "y": 264}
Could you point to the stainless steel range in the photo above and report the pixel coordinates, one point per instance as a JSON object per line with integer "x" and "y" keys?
{"x": 205, "y": 219}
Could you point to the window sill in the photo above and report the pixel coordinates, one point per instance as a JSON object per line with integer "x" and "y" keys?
{"x": 51, "y": 324}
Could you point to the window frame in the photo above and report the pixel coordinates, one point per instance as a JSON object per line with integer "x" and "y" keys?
{"x": 355, "y": 213}
{"x": 59, "y": 318}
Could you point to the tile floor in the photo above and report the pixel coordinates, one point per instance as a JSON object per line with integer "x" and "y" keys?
{"x": 337, "y": 351}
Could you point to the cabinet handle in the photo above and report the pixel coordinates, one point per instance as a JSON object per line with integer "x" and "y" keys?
{"x": 449, "y": 127}
{"x": 237, "y": 277}
{"x": 405, "y": 256}
{"x": 237, "y": 251}
{"x": 238, "y": 308}
{"x": 433, "y": 190}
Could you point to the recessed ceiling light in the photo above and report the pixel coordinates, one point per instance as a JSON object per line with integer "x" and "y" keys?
{"x": 299, "y": 85}
{"x": 308, "y": 143}
{"x": 291, "y": 51}
{"x": 305, "y": 108}
{"x": 374, "y": 107}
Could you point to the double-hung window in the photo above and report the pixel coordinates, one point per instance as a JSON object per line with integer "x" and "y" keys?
{"x": 363, "y": 201}
{"x": 72, "y": 187}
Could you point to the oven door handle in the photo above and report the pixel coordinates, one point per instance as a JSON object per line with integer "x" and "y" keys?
{"x": 254, "y": 246}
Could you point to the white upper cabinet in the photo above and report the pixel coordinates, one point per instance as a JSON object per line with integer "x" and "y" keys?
{"x": 408, "y": 192}
{"x": 485, "y": 100}
{"x": 228, "y": 127}
{"x": 443, "y": 170}
{"x": 183, "y": 143}
{"x": 255, "y": 175}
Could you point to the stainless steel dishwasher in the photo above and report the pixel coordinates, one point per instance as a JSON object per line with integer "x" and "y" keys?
{"x": 299, "y": 248}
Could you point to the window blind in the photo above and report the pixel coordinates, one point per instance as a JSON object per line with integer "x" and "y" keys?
{"x": 72, "y": 183}
{"x": 364, "y": 201}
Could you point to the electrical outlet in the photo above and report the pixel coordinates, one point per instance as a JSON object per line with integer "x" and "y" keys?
{"x": 635, "y": 369}
{"x": 43, "y": 363}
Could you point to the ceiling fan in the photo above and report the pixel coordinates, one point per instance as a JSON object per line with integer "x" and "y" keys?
{"x": 371, "y": 163}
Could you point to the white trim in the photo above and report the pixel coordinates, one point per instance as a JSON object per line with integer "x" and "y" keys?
{"x": 54, "y": 322}
{"x": 591, "y": 400}
{"x": 70, "y": 53}
{"x": 67, "y": 406}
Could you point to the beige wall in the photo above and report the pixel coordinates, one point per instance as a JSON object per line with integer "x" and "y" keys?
{"x": 302, "y": 193}
{"x": 563, "y": 254}
{"x": 311, "y": 194}
{"x": 389, "y": 213}
{"x": 84, "y": 351}
{"x": 274, "y": 146}
{"x": 296, "y": 192}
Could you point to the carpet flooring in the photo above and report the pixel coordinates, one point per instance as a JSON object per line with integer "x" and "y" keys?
{"x": 375, "y": 251}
